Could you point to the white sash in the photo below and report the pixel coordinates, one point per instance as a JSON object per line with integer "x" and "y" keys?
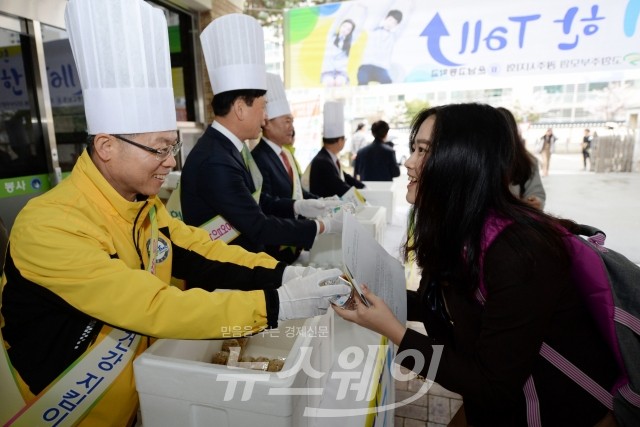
{"x": 254, "y": 170}
{"x": 68, "y": 399}
{"x": 306, "y": 178}
{"x": 297, "y": 186}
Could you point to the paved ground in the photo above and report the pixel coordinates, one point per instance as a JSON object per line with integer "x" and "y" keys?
{"x": 609, "y": 201}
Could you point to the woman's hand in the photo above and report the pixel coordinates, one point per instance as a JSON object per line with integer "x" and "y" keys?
{"x": 377, "y": 317}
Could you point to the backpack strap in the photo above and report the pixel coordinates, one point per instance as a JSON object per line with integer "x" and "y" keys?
{"x": 579, "y": 377}
{"x": 493, "y": 226}
{"x": 533, "y": 403}
{"x": 593, "y": 235}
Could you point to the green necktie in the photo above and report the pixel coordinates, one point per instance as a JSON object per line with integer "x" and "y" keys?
{"x": 245, "y": 155}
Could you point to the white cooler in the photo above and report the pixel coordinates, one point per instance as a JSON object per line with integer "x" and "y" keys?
{"x": 380, "y": 193}
{"x": 327, "y": 248}
{"x": 169, "y": 184}
{"x": 178, "y": 386}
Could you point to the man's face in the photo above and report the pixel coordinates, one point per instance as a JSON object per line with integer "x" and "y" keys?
{"x": 255, "y": 118}
{"x": 280, "y": 130}
{"x": 132, "y": 170}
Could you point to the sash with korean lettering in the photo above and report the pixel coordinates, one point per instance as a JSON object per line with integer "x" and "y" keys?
{"x": 72, "y": 395}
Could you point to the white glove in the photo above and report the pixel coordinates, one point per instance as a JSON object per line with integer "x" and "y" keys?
{"x": 333, "y": 223}
{"x": 313, "y": 208}
{"x": 309, "y": 296}
{"x": 294, "y": 271}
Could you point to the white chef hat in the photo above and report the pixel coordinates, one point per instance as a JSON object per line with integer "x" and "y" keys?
{"x": 233, "y": 47}
{"x": 277, "y": 104}
{"x": 121, "y": 50}
{"x": 333, "y": 119}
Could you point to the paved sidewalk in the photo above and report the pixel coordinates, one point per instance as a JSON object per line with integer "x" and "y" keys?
{"x": 609, "y": 201}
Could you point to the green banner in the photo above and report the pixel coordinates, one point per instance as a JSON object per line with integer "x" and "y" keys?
{"x": 23, "y": 185}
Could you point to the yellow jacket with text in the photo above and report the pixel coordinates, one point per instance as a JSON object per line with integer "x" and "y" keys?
{"x": 76, "y": 266}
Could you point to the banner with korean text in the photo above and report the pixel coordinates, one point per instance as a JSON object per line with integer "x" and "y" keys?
{"x": 402, "y": 41}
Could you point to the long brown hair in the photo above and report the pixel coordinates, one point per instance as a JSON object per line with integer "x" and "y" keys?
{"x": 464, "y": 180}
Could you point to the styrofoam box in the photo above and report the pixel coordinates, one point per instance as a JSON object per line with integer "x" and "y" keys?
{"x": 327, "y": 248}
{"x": 169, "y": 184}
{"x": 177, "y": 385}
{"x": 380, "y": 193}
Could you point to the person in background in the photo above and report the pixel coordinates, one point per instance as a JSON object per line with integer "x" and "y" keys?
{"x": 547, "y": 146}
{"x": 325, "y": 175}
{"x": 525, "y": 177}
{"x": 358, "y": 141}
{"x": 459, "y": 174}
{"x": 377, "y": 161}
{"x": 221, "y": 185}
{"x": 280, "y": 173}
{"x": 87, "y": 276}
{"x": 586, "y": 148}
{"x": 277, "y": 165}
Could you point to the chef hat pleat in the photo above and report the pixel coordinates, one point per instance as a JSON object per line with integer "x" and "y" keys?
{"x": 121, "y": 50}
{"x": 277, "y": 104}
{"x": 233, "y": 47}
{"x": 333, "y": 114}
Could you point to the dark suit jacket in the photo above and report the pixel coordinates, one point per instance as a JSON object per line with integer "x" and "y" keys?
{"x": 215, "y": 182}
{"x": 276, "y": 185}
{"x": 324, "y": 179}
{"x": 376, "y": 162}
{"x": 276, "y": 179}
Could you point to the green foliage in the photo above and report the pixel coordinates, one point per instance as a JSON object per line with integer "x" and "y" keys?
{"x": 414, "y": 106}
{"x": 270, "y": 12}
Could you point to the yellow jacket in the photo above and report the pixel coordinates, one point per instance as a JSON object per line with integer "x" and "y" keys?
{"x": 75, "y": 267}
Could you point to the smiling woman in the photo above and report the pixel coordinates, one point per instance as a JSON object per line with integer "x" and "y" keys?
{"x": 459, "y": 174}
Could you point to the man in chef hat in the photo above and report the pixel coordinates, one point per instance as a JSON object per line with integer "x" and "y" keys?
{"x": 281, "y": 177}
{"x": 221, "y": 185}
{"x": 326, "y": 177}
{"x": 87, "y": 271}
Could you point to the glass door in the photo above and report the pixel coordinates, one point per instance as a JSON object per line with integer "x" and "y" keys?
{"x": 65, "y": 93}
{"x": 22, "y": 149}
{"x": 24, "y": 163}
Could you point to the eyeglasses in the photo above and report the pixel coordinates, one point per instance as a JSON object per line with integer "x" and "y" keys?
{"x": 161, "y": 154}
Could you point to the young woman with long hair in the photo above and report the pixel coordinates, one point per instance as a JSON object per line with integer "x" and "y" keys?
{"x": 459, "y": 175}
